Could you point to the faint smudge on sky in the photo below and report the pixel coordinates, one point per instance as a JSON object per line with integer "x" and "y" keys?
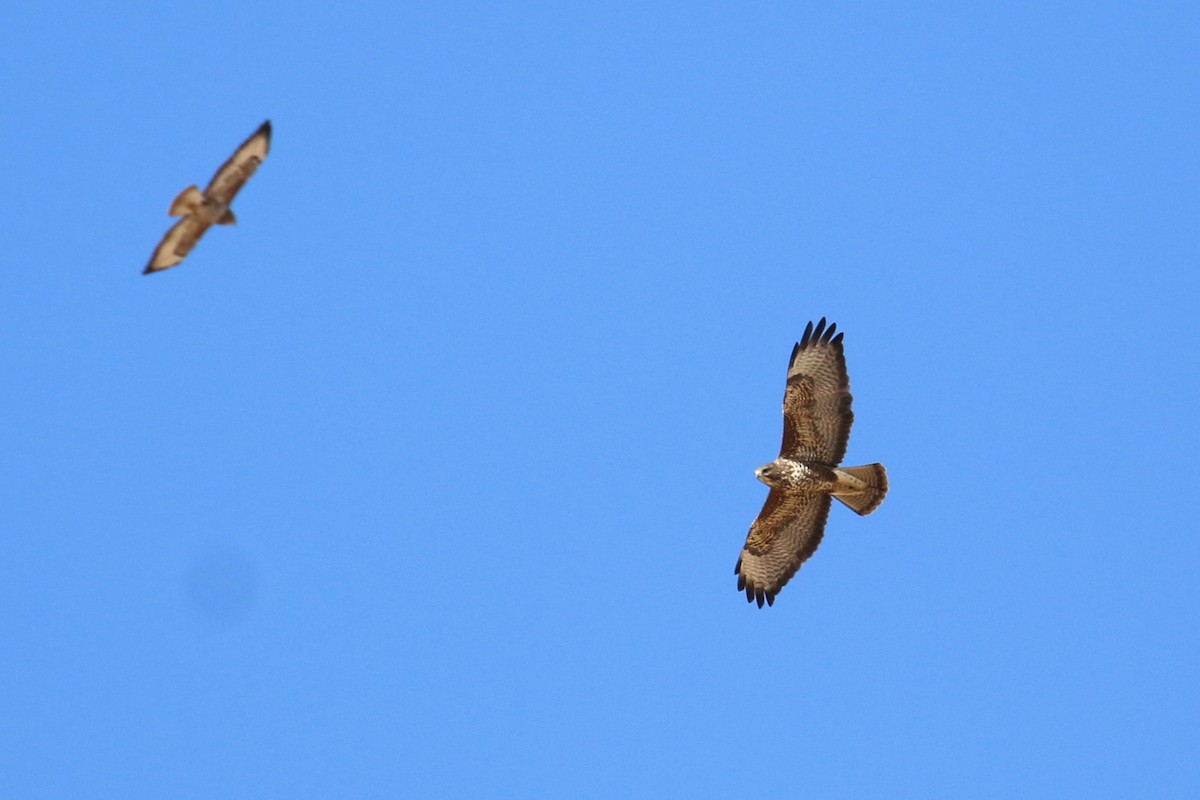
{"x": 222, "y": 584}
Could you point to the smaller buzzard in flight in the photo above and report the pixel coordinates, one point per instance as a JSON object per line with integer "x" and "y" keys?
{"x": 203, "y": 209}
{"x": 816, "y": 428}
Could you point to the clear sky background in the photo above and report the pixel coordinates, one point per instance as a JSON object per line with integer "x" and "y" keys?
{"x": 427, "y": 479}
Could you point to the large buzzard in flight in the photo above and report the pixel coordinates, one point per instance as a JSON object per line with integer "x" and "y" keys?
{"x": 816, "y": 427}
{"x": 200, "y": 210}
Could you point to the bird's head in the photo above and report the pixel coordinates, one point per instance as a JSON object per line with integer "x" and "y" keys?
{"x": 768, "y": 474}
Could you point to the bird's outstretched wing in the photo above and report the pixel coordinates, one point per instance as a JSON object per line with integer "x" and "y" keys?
{"x": 178, "y": 242}
{"x": 816, "y": 402}
{"x": 788, "y": 530}
{"x": 234, "y": 173}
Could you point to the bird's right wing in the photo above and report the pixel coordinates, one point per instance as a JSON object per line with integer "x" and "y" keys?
{"x": 788, "y": 530}
{"x": 234, "y": 173}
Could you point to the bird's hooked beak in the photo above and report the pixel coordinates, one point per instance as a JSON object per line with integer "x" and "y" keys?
{"x": 758, "y": 473}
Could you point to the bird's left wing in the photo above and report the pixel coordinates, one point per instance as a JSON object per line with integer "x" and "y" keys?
{"x": 178, "y": 242}
{"x": 816, "y": 403}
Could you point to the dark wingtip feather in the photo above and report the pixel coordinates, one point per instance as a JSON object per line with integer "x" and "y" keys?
{"x": 819, "y": 330}
{"x": 823, "y": 332}
{"x": 755, "y": 594}
{"x": 807, "y": 335}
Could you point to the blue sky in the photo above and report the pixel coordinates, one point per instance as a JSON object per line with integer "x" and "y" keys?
{"x": 428, "y": 477}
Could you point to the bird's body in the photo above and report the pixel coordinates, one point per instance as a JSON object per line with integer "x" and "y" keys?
{"x": 816, "y": 429}
{"x": 205, "y": 209}
{"x": 790, "y": 475}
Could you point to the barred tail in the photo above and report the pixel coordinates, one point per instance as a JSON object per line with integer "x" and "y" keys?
{"x": 862, "y": 488}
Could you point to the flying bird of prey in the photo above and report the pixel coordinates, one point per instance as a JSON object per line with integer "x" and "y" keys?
{"x": 200, "y": 210}
{"x": 816, "y": 428}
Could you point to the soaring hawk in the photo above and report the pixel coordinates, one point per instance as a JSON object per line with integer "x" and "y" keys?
{"x": 200, "y": 210}
{"x": 816, "y": 427}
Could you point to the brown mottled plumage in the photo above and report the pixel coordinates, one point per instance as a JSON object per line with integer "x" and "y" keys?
{"x": 201, "y": 210}
{"x": 816, "y": 428}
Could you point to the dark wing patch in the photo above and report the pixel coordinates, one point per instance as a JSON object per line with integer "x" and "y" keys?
{"x": 234, "y": 173}
{"x": 787, "y": 532}
{"x": 175, "y": 246}
{"x": 816, "y": 402}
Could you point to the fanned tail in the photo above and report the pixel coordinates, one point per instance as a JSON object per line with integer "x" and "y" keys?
{"x": 862, "y": 488}
{"x": 187, "y": 202}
